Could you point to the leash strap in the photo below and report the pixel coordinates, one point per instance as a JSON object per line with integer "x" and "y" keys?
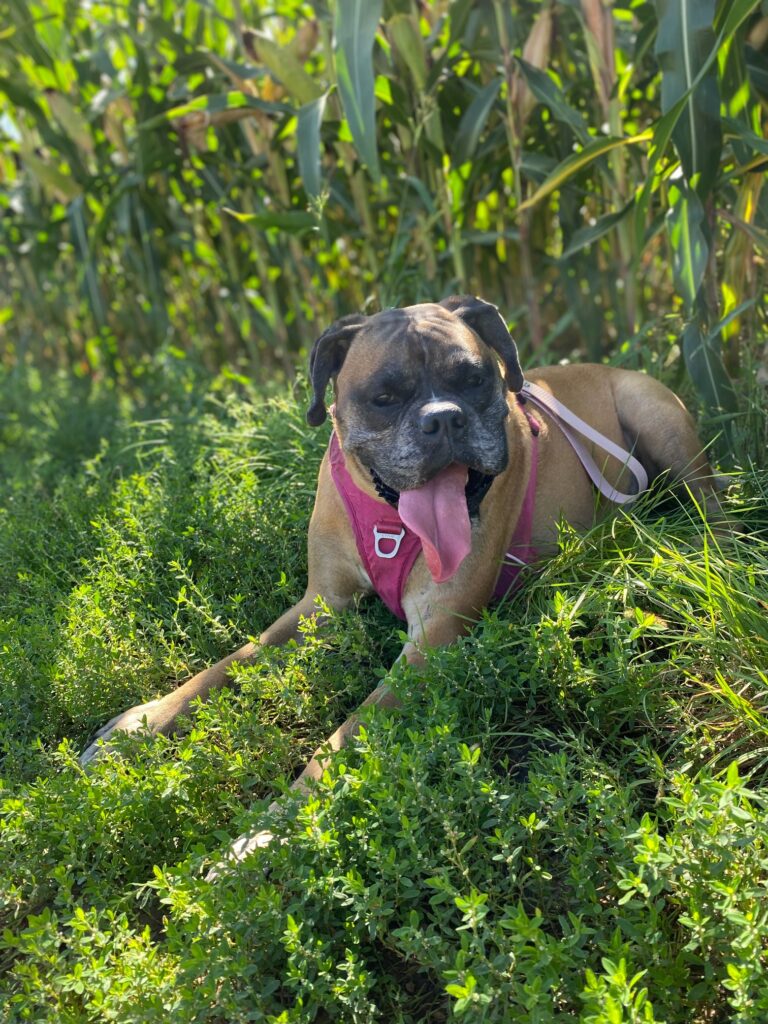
{"x": 567, "y": 420}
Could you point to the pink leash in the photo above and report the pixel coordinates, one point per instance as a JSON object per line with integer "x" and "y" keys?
{"x": 566, "y": 420}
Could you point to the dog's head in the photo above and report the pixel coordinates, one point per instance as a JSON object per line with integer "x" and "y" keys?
{"x": 419, "y": 388}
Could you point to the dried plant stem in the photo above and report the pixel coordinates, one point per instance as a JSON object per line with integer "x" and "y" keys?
{"x": 523, "y": 218}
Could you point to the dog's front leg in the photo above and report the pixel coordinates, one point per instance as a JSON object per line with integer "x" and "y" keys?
{"x": 161, "y": 715}
{"x": 437, "y": 615}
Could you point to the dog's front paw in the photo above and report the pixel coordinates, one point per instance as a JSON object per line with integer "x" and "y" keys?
{"x": 240, "y": 849}
{"x": 141, "y": 717}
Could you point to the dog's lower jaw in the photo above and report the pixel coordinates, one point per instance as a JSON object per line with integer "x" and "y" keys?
{"x": 398, "y": 465}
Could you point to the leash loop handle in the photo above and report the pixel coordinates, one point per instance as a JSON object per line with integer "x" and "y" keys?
{"x": 567, "y": 420}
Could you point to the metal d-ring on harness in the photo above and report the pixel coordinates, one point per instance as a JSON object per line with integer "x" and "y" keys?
{"x": 569, "y": 423}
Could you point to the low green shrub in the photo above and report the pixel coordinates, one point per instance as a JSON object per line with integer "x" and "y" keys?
{"x": 566, "y": 821}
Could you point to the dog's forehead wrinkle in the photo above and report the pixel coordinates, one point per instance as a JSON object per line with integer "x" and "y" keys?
{"x": 427, "y": 332}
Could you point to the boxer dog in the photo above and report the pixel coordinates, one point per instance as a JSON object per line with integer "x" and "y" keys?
{"x": 440, "y": 476}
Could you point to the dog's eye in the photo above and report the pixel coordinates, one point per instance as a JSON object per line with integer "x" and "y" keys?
{"x": 475, "y": 380}
{"x": 384, "y": 399}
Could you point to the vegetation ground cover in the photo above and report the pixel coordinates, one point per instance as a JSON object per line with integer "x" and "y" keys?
{"x": 566, "y": 821}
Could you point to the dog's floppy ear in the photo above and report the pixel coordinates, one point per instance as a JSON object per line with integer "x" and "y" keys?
{"x": 486, "y": 321}
{"x": 326, "y": 358}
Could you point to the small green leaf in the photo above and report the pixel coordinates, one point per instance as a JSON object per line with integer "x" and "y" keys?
{"x": 459, "y": 991}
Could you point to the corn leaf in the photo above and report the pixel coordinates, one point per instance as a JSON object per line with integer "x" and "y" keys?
{"x": 592, "y": 232}
{"x": 575, "y": 163}
{"x": 738, "y": 12}
{"x": 544, "y": 89}
{"x": 286, "y": 68}
{"x": 738, "y": 101}
{"x": 308, "y": 144}
{"x": 473, "y": 122}
{"x": 63, "y": 186}
{"x": 758, "y": 235}
{"x": 729, "y": 318}
{"x": 215, "y": 103}
{"x": 686, "y": 223}
{"x": 404, "y": 30}
{"x": 76, "y": 217}
{"x": 354, "y": 31}
{"x": 684, "y": 43}
{"x": 295, "y": 222}
{"x": 704, "y": 361}
{"x": 732, "y": 15}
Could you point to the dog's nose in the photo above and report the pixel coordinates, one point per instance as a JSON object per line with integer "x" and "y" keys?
{"x": 442, "y": 418}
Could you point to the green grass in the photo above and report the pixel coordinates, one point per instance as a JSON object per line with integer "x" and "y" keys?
{"x": 567, "y": 820}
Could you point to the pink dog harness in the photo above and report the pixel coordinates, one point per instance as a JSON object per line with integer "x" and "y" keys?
{"x": 388, "y": 548}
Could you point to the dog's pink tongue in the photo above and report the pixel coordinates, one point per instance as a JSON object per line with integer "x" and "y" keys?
{"x": 437, "y": 513}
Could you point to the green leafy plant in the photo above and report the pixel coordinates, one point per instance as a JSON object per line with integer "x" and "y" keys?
{"x": 571, "y": 796}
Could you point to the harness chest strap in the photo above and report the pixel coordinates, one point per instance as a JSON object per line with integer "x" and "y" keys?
{"x": 386, "y": 547}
